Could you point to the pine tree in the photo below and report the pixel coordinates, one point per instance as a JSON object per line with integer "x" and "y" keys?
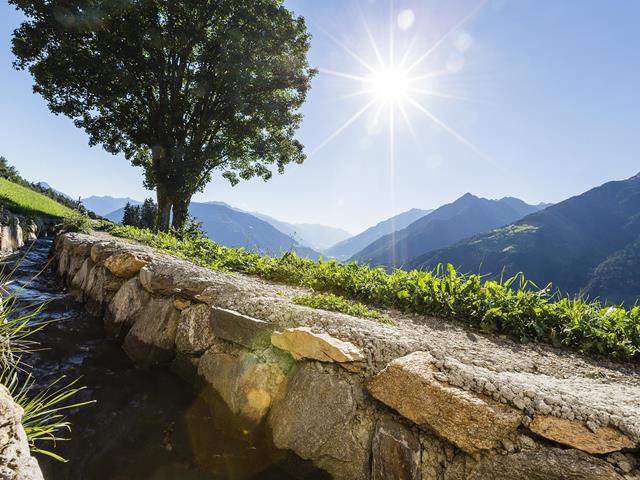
{"x": 148, "y": 214}
{"x": 131, "y": 216}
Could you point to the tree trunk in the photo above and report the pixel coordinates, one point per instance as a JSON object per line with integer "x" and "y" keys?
{"x": 164, "y": 209}
{"x": 180, "y": 212}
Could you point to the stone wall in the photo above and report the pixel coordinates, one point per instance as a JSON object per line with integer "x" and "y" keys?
{"x": 17, "y": 230}
{"x": 16, "y": 462}
{"x": 419, "y": 400}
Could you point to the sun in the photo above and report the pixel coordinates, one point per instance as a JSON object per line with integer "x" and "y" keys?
{"x": 389, "y": 84}
{"x": 398, "y": 84}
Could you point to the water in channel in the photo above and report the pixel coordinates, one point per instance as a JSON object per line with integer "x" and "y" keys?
{"x": 144, "y": 424}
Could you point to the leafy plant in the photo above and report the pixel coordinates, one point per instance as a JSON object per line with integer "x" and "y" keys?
{"x": 16, "y": 326}
{"x": 513, "y": 307}
{"x": 76, "y": 222}
{"x": 337, "y": 303}
{"x": 43, "y": 419}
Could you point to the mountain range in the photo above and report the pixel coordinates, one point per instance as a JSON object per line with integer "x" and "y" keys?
{"x": 349, "y": 247}
{"x": 466, "y": 216}
{"x": 105, "y": 205}
{"x": 235, "y": 228}
{"x": 587, "y": 244}
{"x": 318, "y": 237}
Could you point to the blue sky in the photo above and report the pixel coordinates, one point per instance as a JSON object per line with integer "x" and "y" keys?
{"x": 550, "y": 110}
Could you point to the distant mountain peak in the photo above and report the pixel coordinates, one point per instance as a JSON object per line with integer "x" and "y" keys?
{"x": 468, "y": 196}
{"x": 464, "y": 217}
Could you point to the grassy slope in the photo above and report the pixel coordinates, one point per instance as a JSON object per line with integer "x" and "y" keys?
{"x": 24, "y": 200}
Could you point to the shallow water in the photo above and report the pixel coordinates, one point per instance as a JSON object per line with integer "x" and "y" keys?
{"x": 145, "y": 424}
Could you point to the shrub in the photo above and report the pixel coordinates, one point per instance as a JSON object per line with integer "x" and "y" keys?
{"x": 76, "y": 222}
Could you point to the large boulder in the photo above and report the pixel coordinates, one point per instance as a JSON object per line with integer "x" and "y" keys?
{"x": 304, "y": 343}
{"x": 242, "y": 329}
{"x": 100, "y": 288}
{"x": 129, "y": 304}
{"x": 195, "y": 334}
{"x": 16, "y": 462}
{"x": 576, "y": 434}
{"x": 79, "y": 281}
{"x": 395, "y": 452}
{"x": 537, "y": 464}
{"x": 152, "y": 338}
{"x": 172, "y": 276}
{"x": 470, "y": 421}
{"x": 248, "y": 383}
{"x": 103, "y": 249}
{"x": 127, "y": 263}
{"x": 320, "y": 420}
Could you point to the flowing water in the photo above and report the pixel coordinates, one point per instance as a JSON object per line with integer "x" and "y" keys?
{"x": 144, "y": 424}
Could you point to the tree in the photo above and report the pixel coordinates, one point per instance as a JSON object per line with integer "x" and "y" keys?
{"x": 131, "y": 215}
{"x": 148, "y": 213}
{"x": 8, "y": 171}
{"x": 182, "y": 88}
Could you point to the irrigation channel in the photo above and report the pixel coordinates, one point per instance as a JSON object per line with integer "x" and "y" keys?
{"x": 144, "y": 424}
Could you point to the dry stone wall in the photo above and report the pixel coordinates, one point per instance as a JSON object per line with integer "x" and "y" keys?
{"x": 17, "y": 230}
{"x": 420, "y": 400}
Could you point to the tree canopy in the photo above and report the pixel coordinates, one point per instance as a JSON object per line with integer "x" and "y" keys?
{"x": 182, "y": 88}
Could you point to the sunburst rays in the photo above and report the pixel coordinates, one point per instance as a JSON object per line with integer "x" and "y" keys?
{"x": 394, "y": 86}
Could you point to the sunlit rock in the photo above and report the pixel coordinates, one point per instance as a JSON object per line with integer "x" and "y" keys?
{"x": 126, "y": 264}
{"x": 576, "y": 434}
{"x": 303, "y": 343}
{"x": 470, "y": 421}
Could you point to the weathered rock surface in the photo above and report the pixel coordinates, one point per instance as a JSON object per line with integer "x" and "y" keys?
{"x": 100, "y": 288}
{"x": 16, "y": 462}
{"x": 79, "y": 281}
{"x": 540, "y": 464}
{"x": 126, "y": 264}
{"x": 396, "y": 452}
{"x": 246, "y": 382}
{"x": 241, "y": 329}
{"x": 195, "y": 334}
{"x": 302, "y": 343}
{"x": 577, "y": 435}
{"x": 152, "y": 337}
{"x": 178, "y": 277}
{"x": 470, "y": 421}
{"x": 127, "y": 306}
{"x": 319, "y": 420}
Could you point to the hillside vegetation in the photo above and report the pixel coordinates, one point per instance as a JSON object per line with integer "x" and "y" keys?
{"x": 21, "y": 199}
{"x": 508, "y": 307}
{"x": 587, "y": 244}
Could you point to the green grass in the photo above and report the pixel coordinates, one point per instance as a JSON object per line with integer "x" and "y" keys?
{"x": 24, "y": 200}
{"x": 512, "y": 307}
{"x": 337, "y": 303}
